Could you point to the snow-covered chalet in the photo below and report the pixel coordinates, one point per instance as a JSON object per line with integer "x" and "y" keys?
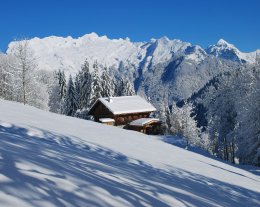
{"x": 131, "y": 111}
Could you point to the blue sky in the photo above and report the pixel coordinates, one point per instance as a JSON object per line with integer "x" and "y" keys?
{"x": 200, "y": 22}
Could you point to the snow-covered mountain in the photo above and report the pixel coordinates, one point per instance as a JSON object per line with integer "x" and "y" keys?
{"x": 53, "y": 160}
{"x": 69, "y": 54}
{"x": 228, "y": 51}
{"x": 161, "y": 69}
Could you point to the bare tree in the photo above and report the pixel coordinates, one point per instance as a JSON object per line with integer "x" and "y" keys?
{"x": 24, "y": 65}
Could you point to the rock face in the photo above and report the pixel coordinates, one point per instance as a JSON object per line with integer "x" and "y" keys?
{"x": 163, "y": 70}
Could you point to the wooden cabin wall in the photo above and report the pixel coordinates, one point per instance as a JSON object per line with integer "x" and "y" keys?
{"x": 101, "y": 111}
{"x": 152, "y": 129}
{"x": 124, "y": 119}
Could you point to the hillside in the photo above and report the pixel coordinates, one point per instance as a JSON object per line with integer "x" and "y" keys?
{"x": 53, "y": 160}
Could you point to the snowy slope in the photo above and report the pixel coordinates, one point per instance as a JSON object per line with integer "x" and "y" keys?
{"x": 53, "y": 160}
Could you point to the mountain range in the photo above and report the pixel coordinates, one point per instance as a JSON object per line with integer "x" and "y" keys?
{"x": 161, "y": 69}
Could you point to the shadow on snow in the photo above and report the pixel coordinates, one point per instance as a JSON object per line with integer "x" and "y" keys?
{"x": 180, "y": 142}
{"x": 90, "y": 167}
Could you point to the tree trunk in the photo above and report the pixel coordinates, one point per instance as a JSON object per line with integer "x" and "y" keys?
{"x": 24, "y": 96}
{"x": 233, "y": 151}
{"x": 225, "y": 149}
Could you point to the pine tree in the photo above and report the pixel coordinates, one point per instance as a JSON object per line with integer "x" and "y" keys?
{"x": 165, "y": 117}
{"x": 70, "y": 103}
{"x": 54, "y": 102}
{"x": 124, "y": 88}
{"x": 77, "y": 90}
{"x": 84, "y": 86}
{"x": 107, "y": 84}
{"x": 62, "y": 88}
{"x": 96, "y": 89}
{"x": 54, "y": 98}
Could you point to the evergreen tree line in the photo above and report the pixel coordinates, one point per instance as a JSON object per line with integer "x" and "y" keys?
{"x": 75, "y": 97}
{"x": 224, "y": 118}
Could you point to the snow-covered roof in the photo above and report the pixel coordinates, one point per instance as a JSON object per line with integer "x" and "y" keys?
{"x": 126, "y": 104}
{"x": 105, "y": 120}
{"x": 143, "y": 121}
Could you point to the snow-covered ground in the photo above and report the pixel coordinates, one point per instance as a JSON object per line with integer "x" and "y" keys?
{"x": 53, "y": 160}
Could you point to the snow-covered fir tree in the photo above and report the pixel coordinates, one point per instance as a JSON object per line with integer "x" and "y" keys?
{"x": 107, "y": 84}
{"x": 77, "y": 89}
{"x": 70, "y": 103}
{"x": 62, "y": 88}
{"x": 54, "y": 99}
{"x": 54, "y": 93}
{"x": 124, "y": 87}
{"x": 84, "y": 86}
{"x": 96, "y": 88}
{"x": 164, "y": 114}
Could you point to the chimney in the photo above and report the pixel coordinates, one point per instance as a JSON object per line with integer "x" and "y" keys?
{"x": 110, "y": 100}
